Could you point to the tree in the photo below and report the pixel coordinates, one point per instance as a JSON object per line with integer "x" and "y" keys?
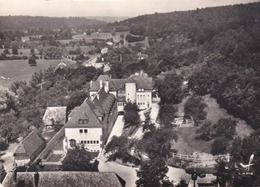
{"x": 15, "y": 50}
{"x": 170, "y": 90}
{"x": 32, "y": 51}
{"x": 194, "y": 107}
{"x": 120, "y": 148}
{"x": 32, "y": 61}
{"x": 131, "y": 116}
{"x": 225, "y": 128}
{"x": 167, "y": 114}
{"x": 151, "y": 173}
{"x": 78, "y": 159}
{"x": 220, "y": 145}
{"x": 6, "y": 51}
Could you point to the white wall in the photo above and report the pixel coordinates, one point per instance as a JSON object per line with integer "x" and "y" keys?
{"x": 130, "y": 92}
{"x": 144, "y": 99}
{"x": 93, "y": 134}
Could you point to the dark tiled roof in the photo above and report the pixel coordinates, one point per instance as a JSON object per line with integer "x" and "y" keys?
{"x": 84, "y": 112}
{"x": 30, "y": 144}
{"x": 91, "y": 110}
{"x": 104, "y": 101}
{"x": 119, "y": 83}
{"x": 66, "y": 179}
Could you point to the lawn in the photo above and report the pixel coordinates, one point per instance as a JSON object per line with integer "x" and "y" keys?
{"x": 187, "y": 144}
{"x": 16, "y": 70}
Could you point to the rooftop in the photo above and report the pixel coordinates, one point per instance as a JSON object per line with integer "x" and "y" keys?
{"x": 30, "y": 144}
{"x": 66, "y": 179}
{"x": 55, "y": 115}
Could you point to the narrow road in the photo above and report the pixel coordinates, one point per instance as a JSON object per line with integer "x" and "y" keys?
{"x": 127, "y": 173}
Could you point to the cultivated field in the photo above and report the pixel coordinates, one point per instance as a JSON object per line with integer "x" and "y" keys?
{"x": 14, "y": 70}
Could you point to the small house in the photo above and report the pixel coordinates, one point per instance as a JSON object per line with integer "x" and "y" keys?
{"x": 55, "y": 116}
{"x": 29, "y": 149}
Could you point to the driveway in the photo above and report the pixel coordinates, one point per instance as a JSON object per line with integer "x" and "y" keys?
{"x": 127, "y": 173}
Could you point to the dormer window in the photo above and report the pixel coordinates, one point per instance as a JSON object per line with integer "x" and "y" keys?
{"x": 83, "y": 121}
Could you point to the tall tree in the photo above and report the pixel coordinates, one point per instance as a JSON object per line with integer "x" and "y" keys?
{"x": 151, "y": 173}
{"x": 78, "y": 159}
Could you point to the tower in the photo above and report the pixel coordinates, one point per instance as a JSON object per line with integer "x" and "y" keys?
{"x": 130, "y": 92}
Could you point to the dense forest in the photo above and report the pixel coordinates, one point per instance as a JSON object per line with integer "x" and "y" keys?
{"x": 219, "y": 47}
{"x": 31, "y": 22}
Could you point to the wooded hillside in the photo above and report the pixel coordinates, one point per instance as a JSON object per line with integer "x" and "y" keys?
{"x": 28, "y": 22}
{"x": 219, "y": 46}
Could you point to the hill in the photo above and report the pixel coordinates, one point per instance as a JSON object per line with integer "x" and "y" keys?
{"x": 219, "y": 48}
{"x": 36, "y": 22}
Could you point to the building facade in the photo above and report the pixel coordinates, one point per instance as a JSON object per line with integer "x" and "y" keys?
{"x": 137, "y": 88}
{"x": 90, "y": 124}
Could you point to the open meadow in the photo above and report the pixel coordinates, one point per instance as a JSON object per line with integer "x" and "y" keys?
{"x": 17, "y": 70}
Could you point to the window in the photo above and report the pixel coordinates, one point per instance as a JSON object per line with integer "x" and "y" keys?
{"x": 72, "y": 143}
{"x": 85, "y": 121}
{"x": 81, "y": 141}
{"x": 85, "y": 141}
{"x": 97, "y": 142}
{"x": 80, "y": 121}
{"x": 85, "y": 130}
{"x": 90, "y": 142}
{"x": 80, "y": 131}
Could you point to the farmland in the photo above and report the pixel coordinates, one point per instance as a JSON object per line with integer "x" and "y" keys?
{"x": 15, "y": 70}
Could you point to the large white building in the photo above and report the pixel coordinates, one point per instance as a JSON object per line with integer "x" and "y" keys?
{"x": 137, "y": 88}
{"x": 90, "y": 124}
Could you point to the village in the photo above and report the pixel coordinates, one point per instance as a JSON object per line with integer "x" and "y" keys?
{"x": 167, "y": 97}
{"x": 91, "y": 126}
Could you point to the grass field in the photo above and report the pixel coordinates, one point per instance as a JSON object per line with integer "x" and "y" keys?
{"x": 16, "y": 70}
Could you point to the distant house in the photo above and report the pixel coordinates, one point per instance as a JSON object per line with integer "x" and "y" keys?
{"x": 61, "y": 65}
{"x": 142, "y": 56}
{"x": 63, "y": 179}
{"x": 137, "y": 88}
{"x": 55, "y": 116}
{"x": 29, "y": 149}
{"x": 25, "y": 39}
{"x": 90, "y": 124}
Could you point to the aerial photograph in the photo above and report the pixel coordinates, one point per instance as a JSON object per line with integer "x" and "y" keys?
{"x": 129, "y": 93}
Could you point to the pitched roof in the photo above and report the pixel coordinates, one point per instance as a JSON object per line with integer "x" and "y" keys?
{"x": 84, "y": 112}
{"x": 103, "y": 78}
{"x": 104, "y": 101}
{"x": 91, "y": 110}
{"x": 55, "y": 114}
{"x": 67, "y": 179}
{"x": 30, "y": 144}
{"x": 119, "y": 83}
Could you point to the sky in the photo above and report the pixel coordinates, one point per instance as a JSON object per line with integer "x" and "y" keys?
{"x": 111, "y": 8}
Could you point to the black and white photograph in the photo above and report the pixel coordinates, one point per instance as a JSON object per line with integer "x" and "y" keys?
{"x": 129, "y": 93}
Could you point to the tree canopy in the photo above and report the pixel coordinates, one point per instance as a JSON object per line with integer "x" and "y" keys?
{"x": 78, "y": 159}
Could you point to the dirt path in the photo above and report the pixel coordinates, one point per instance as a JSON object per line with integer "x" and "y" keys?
{"x": 8, "y": 157}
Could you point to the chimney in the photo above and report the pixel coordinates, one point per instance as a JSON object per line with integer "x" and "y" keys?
{"x": 15, "y": 174}
{"x": 106, "y": 88}
{"x": 100, "y": 84}
{"x": 36, "y": 179}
